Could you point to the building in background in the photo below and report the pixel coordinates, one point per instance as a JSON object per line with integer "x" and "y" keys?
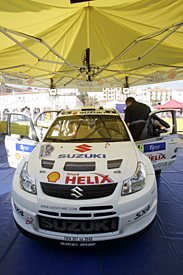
{"x": 16, "y": 97}
{"x": 177, "y": 94}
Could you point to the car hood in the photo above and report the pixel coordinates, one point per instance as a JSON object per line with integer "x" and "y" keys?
{"x": 87, "y": 163}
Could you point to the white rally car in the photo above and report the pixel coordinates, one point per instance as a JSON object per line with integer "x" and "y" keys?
{"x": 86, "y": 181}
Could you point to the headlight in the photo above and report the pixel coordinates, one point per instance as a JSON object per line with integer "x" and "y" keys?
{"x": 26, "y": 182}
{"x": 137, "y": 182}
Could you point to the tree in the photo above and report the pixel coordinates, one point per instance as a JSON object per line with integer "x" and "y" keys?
{"x": 91, "y": 101}
{"x": 83, "y": 97}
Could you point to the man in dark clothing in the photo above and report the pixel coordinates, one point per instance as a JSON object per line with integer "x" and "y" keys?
{"x": 136, "y": 115}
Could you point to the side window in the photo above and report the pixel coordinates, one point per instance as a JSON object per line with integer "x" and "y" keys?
{"x": 161, "y": 122}
{"x": 45, "y": 119}
{"x": 20, "y": 125}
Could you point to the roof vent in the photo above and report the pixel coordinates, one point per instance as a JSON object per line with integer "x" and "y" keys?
{"x": 88, "y": 109}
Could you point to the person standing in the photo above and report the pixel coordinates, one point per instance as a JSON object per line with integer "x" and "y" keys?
{"x": 136, "y": 115}
{"x": 27, "y": 111}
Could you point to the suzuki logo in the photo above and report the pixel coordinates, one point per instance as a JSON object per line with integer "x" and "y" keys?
{"x": 77, "y": 192}
{"x": 83, "y": 148}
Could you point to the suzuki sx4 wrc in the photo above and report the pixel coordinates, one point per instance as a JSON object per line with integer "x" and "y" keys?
{"x": 85, "y": 182}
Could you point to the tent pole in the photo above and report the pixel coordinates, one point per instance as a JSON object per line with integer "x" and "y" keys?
{"x": 88, "y": 42}
{"x": 52, "y": 85}
{"x": 88, "y": 62}
{"x": 126, "y": 82}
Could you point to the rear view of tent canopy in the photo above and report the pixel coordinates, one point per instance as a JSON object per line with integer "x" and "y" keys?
{"x": 94, "y": 44}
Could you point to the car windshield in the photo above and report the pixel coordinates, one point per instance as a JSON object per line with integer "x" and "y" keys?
{"x": 87, "y": 128}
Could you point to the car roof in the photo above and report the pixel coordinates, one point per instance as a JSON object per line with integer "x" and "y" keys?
{"x": 89, "y": 111}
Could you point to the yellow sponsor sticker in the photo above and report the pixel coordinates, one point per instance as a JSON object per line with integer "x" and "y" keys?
{"x": 53, "y": 177}
{"x": 17, "y": 155}
{"x": 141, "y": 147}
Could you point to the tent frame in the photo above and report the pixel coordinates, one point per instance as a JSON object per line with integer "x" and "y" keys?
{"x": 88, "y": 73}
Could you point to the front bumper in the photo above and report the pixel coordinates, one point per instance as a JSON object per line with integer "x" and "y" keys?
{"x": 133, "y": 213}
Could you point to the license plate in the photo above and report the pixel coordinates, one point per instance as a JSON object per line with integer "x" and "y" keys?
{"x": 77, "y": 239}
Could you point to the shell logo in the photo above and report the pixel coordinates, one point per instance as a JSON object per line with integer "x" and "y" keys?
{"x": 17, "y": 155}
{"x": 53, "y": 176}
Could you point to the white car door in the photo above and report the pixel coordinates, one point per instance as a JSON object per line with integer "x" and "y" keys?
{"x": 20, "y": 139}
{"x": 43, "y": 121}
{"x": 160, "y": 146}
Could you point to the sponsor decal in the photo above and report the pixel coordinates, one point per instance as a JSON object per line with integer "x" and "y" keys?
{"x": 163, "y": 165}
{"x": 155, "y": 77}
{"x": 154, "y": 147}
{"x": 87, "y": 244}
{"x": 67, "y": 208}
{"x": 77, "y": 244}
{"x": 30, "y": 81}
{"x": 117, "y": 172}
{"x": 172, "y": 74}
{"x": 13, "y": 77}
{"x": 29, "y": 221}
{"x": 107, "y": 144}
{"x": 24, "y": 147}
{"x": 18, "y": 210}
{"x": 74, "y": 113}
{"x": 159, "y": 156}
{"x": 92, "y": 112}
{"x": 79, "y": 226}
{"x": 80, "y": 156}
{"x": 83, "y": 148}
{"x": 77, "y": 192}
{"x": 17, "y": 155}
{"x": 100, "y": 82}
{"x": 47, "y": 117}
{"x": 46, "y": 150}
{"x": 93, "y": 178}
{"x": 142, "y": 212}
{"x": 53, "y": 176}
{"x": 71, "y": 208}
{"x": 140, "y": 147}
{"x": 69, "y": 244}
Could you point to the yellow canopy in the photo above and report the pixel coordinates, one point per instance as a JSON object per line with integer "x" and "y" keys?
{"x": 94, "y": 44}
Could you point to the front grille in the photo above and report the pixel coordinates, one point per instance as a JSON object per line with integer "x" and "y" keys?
{"x": 79, "y": 166}
{"x": 49, "y": 213}
{"x": 104, "y": 214}
{"x": 86, "y": 192}
{"x": 96, "y": 208}
{"x": 79, "y": 226}
{"x": 72, "y": 215}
